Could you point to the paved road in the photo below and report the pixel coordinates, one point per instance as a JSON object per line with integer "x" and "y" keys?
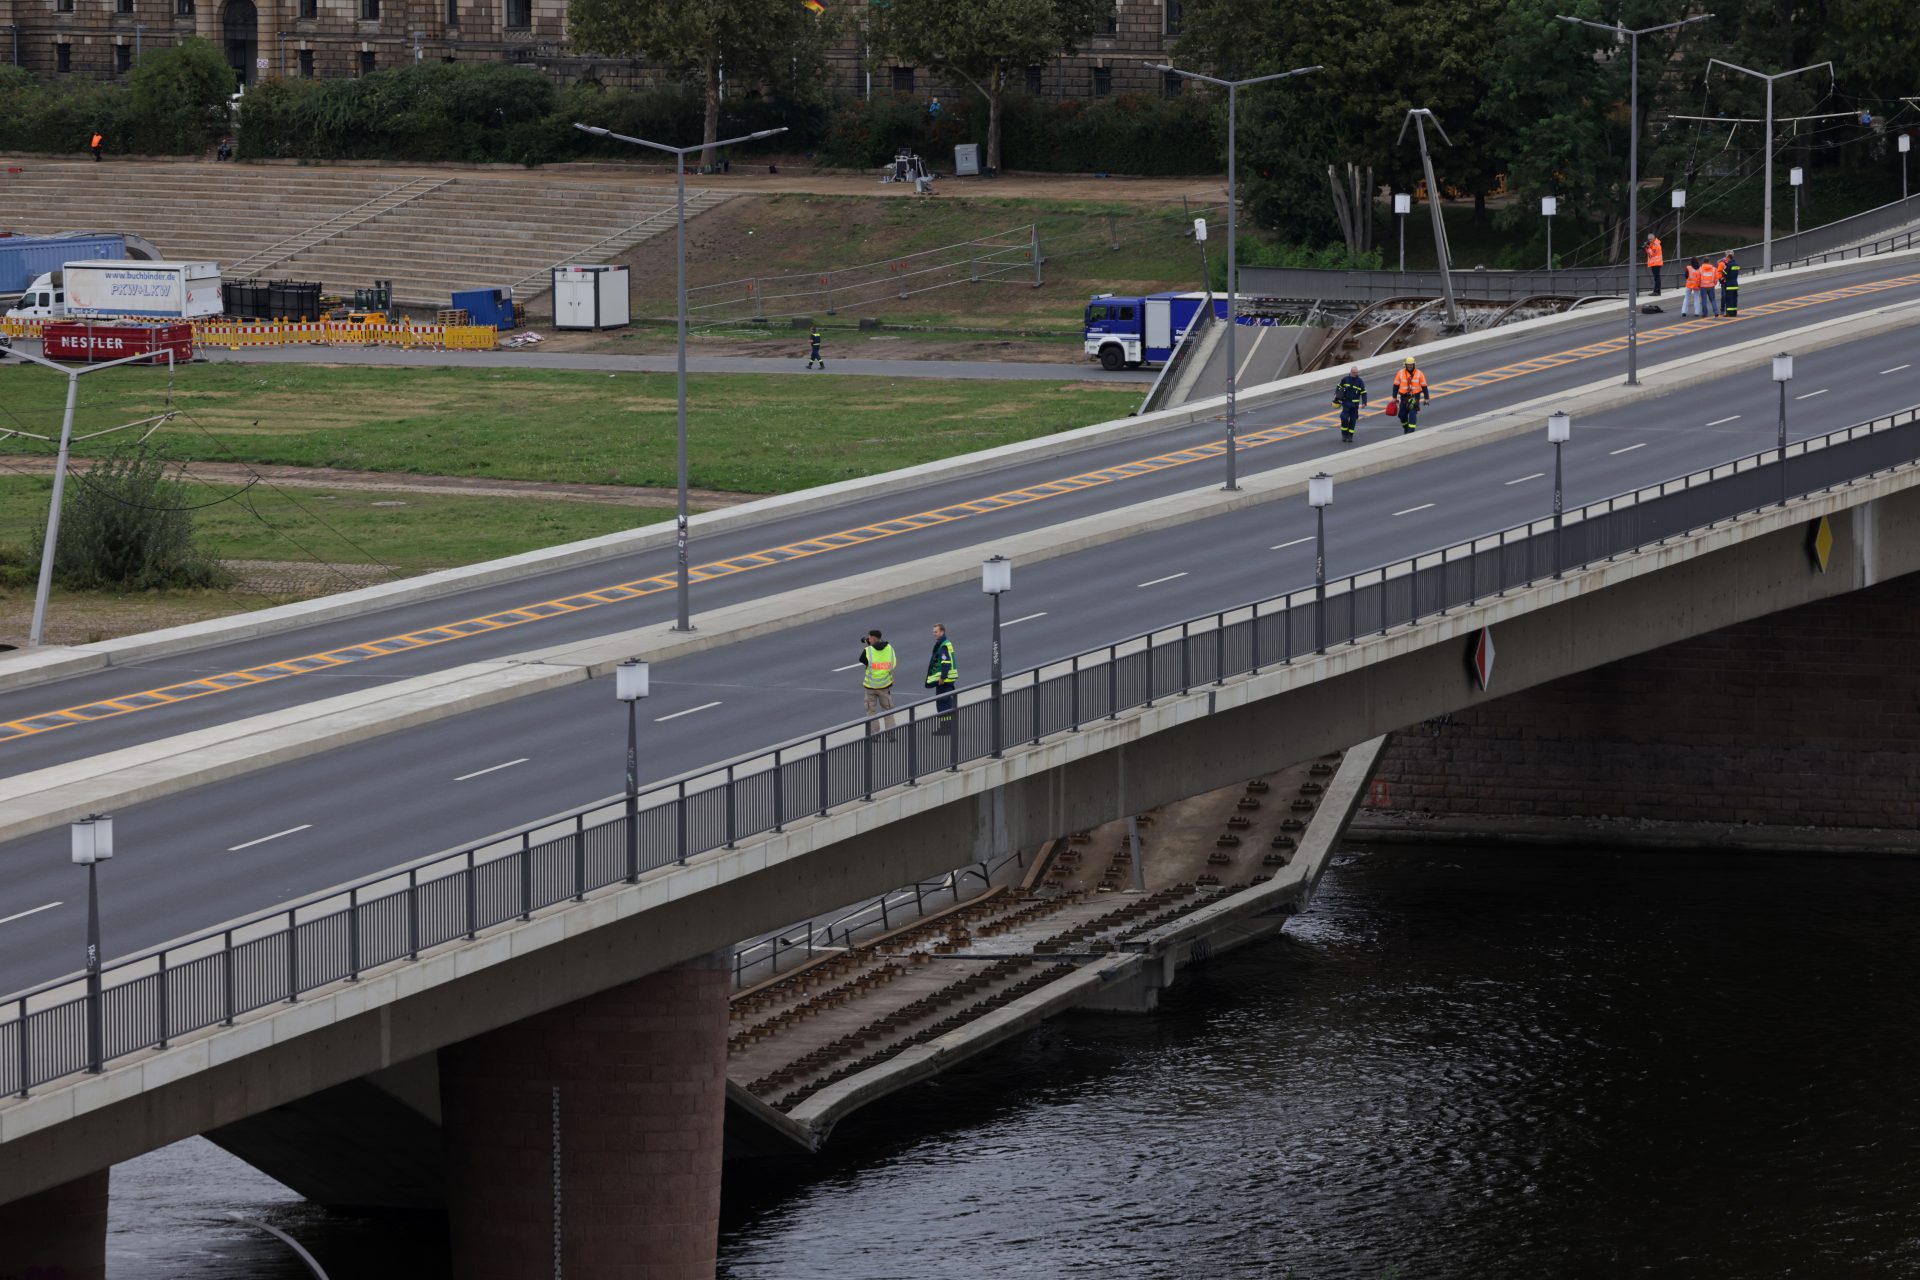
{"x": 1531, "y": 366}
{"x": 190, "y": 860}
{"x": 971, "y": 370}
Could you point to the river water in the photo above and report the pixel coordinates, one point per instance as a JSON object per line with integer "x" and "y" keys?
{"x": 1530, "y": 1065}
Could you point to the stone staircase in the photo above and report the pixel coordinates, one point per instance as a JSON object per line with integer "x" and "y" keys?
{"x": 430, "y": 232}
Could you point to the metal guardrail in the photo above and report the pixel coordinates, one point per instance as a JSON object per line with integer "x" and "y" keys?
{"x": 276, "y": 957}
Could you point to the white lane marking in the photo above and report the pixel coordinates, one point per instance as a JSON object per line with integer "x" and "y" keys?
{"x": 1410, "y": 510}
{"x": 1523, "y": 479}
{"x": 689, "y": 711}
{"x": 1719, "y": 421}
{"x": 492, "y": 769}
{"x": 1897, "y": 368}
{"x": 305, "y": 826}
{"x": 1157, "y": 581}
{"x": 1296, "y": 542}
{"x": 1027, "y": 618}
{"x": 22, "y": 915}
{"x": 1811, "y": 394}
{"x": 1630, "y": 448}
{"x": 850, "y": 666}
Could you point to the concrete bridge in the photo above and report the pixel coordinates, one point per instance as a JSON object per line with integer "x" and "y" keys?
{"x": 563, "y": 969}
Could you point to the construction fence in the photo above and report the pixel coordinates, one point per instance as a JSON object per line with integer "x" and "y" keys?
{"x": 233, "y": 335}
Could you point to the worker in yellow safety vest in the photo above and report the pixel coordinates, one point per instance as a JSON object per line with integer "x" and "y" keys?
{"x": 1409, "y": 392}
{"x": 879, "y": 662}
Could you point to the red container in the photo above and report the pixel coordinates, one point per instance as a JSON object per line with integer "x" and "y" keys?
{"x": 80, "y": 340}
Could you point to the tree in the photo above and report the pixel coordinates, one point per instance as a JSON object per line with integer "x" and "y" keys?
{"x": 985, "y": 42}
{"x": 180, "y": 95}
{"x": 780, "y": 44}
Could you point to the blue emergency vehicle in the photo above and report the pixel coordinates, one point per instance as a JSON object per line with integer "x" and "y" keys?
{"x": 1127, "y": 332}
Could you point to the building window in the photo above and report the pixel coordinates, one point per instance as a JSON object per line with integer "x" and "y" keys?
{"x": 1102, "y": 81}
{"x": 369, "y": 10}
{"x": 453, "y": 13}
{"x": 366, "y": 62}
{"x": 309, "y": 10}
{"x": 123, "y": 58}
{"x": 63, "y": 57}
{"x": 1033, "y": 80}
{"x": 63, "y": 6}
{"x": 306, "y": 64}
{"x": 1170, "y": 84}
{"x": 183, "y": 8}
{"x": 519, "y": 14}
{"x": 1174, "y": 14}
{"x": 1110, "y": 25}
{"x": 123, "y": 6}
{"x": 903, "y": 79}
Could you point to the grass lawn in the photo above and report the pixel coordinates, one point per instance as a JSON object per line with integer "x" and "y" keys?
{"x": 749, "y": 433}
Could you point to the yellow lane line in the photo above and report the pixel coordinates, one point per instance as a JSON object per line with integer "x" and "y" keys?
{"x": 620, "y": 593}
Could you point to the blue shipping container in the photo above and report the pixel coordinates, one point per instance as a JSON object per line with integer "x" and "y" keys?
{"x": 23, "y": 259}
{"x": 487, "y": 306}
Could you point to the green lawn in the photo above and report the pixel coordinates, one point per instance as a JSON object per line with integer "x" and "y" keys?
{"x": 750, "y": 433}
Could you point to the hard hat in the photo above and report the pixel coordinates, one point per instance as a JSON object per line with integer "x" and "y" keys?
{"x": 1409, "y": 359}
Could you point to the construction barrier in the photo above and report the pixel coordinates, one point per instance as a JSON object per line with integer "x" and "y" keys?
{"x": 234, "y": 335}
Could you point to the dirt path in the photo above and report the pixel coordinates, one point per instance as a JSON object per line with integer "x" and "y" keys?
{"x": 457, "y": 486}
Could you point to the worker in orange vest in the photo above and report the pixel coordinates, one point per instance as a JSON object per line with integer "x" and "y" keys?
{"x": 94, "y": 146}
{"x": 1710, "y": 288}
{"x": 1656, "y": 258}
{"x": 1690, "y": 305}
{"x": 1409, "y": 391}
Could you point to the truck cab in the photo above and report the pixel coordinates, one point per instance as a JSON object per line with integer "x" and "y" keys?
{"x": 44, "y": 299}
{"x": 1128, "y": 332}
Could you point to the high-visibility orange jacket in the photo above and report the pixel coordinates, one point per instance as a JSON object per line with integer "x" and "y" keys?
{"x": 1693, "y": 277}
{"x": 1409, "y": 382}
{"x": 1656, "y": 256}
{"x": 96, "y": 141}
{"x": 1709, "y": 275}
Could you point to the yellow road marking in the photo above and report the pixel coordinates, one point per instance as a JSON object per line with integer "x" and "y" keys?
{"x": 620, "y": 593}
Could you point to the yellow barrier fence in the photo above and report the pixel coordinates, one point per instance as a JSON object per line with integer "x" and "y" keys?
{"x": 234, "y": 335}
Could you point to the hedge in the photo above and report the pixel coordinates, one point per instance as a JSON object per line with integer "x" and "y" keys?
{"x": 174, "y": 104}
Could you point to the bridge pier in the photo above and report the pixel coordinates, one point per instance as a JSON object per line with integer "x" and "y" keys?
{"x": 57, "y": 1234}
{"x": 594, "y": 1128}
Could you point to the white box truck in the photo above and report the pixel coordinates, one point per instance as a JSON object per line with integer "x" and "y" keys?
{"x": 147, "y": 290}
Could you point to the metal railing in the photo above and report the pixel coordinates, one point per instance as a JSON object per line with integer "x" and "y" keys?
{"x": 338, "y": 936}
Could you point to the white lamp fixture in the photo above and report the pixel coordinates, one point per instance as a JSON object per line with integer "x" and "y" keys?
{"x": 1679, "y": 198}
{"x": 1559, "y": 428}
{"x": 996, "y": 575}
{"x": 1783, "y": 368}
{"x": 1200, "y": 229}
{"x": 1320, "y": 490}
{"x": 1549, "y": 206}
{"x": 92, "y": 840}
{"x": 1402, "y": 202}
{"x": 630, "y": 680}
{"x": 1906, "y": 144}
{"x": 1795, "y": 176}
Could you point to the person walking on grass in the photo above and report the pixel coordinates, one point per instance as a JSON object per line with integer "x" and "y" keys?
{"x": 878, "y": 662}
{"x": 813, "y": 352}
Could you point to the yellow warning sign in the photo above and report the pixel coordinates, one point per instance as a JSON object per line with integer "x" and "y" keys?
{"x": 1820, "y": 543}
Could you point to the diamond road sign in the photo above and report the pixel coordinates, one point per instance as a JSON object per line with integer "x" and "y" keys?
{"x": 1480, "y": 657}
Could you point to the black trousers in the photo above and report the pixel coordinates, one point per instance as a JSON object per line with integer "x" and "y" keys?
{"x": 944, "y": 700}
{"x": 1656, "y": 278}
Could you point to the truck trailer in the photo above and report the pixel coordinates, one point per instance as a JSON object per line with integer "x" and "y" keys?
{"x": 23, "y": 259}
{"x": 1128, "y": 332}
{"x": 123, "y": 287}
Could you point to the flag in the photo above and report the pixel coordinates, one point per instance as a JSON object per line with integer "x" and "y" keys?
{"x": 814, "y": 5}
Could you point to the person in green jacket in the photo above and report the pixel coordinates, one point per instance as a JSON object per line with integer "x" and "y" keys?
{"x": 943, "y": 673}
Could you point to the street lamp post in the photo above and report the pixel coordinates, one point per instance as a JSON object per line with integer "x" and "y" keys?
{"x": 1766, "y": 203}
{"x": 684, "y": 621}
{"x": 1633, "y": 35}
{"x": 1783, "y": 374}
{"x": 92, "y": 845}
{"x": 996, "y": 579}
{"x": 1233, "y": 88}
{"x": 1796, "y": 176}
{"x": 1549, "y": 205}
{"x": 1402, "y": 206}
{"x": 1679, "y": 220}
{"x": 1905, "y": 145}
{"x": 1418, "y": 118}
{"x": 1559, "y": 430}
{"x": 630, "y": 685}
{"x": 1320, "y": 497}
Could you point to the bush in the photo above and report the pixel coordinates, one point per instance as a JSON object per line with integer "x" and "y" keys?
{"x": 61, "y": 117}
{"x": 179, "y": 98}
{"x": 126, "y": 526}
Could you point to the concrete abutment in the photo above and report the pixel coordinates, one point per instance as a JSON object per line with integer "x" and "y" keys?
{"x": 57, "y": 1234}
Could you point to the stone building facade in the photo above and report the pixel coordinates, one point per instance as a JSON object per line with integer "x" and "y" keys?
{"x": 332, "y": 38}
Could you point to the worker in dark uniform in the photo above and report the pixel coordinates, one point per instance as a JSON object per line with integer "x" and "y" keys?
{"x": 1350, "y": 395}
{"x": 943, "y": 674}
{"x": 813, "y": 356}
{"x": 1730, "y": 285}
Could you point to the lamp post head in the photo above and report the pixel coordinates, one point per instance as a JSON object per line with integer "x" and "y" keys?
{"x": 1320, "y": 490}
{"x": 92, "y": 840}
{"x": 1783, "y": 368}
{"x": 1796, "y": 176}
{"x": 996, "y": 575}
{"x": 593, "y": 129}
{"x": 1402, "y": 202}
{"x": 765, "y": 133}
{"x": 1906, "y": 144}
{"x": 1679, "y": 198}
{"x": 1549, "y": 206}
{"x": 1559, "y": 428}
{"x": 630, "y": 680}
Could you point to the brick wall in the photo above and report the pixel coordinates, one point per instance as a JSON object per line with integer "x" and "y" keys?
{"x": 1809, "y": 717}
{"x": 641, "y": 1071}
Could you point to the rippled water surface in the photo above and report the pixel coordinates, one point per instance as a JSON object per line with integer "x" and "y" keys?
{"x": 1456, "y": 1065}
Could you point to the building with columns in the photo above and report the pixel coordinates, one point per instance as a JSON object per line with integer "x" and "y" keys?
{"x": 333, "y": 38}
